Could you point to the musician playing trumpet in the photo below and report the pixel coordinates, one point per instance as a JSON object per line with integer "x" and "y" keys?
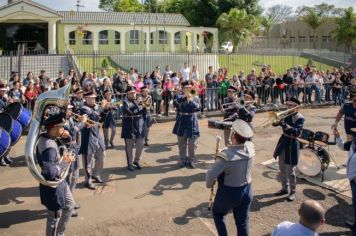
{"x": 232, "y": 170}
{"x": 229, "y": 110}
{"x": 133, "y": 128}
{"x": 109, "y": 111}
{"x": 72, "y": 143}
{"x": 92, "y": 146}
{"x": 146, "y": 99}
{"x": 186, "y": 126}
{"x": 288, "y": 148}
{"x": 59, "y": 200}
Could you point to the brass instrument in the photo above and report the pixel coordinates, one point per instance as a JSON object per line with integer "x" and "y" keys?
{"x": 218, "y": 140}
{"x": 78, "y": 118}
{"x": 58, "y": 98}
{"x": 193, "y": 92}
{"x": 144, "y": 102}
{"x": 276, "y": 117}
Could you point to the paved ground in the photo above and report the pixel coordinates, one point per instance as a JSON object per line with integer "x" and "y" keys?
{"x": 162, "y": 199}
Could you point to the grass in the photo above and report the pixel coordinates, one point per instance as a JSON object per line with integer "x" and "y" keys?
{"x": 90, "y": 64}
{"x": 245, "y": 62}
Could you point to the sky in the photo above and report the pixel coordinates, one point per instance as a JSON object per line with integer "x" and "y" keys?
{"x": 92, "y": 5}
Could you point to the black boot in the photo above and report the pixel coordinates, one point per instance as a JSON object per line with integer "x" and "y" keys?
{"x": 8, "y": 160}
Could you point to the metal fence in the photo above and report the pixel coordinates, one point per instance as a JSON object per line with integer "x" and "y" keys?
{"x": 147, "y": 61}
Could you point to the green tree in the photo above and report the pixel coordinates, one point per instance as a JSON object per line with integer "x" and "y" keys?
{"x": 252, "y": 7}
{"x": 237, "y": 26}
{"x": 316, "y": 16}
{"x": 345, "y": 31}
{"x": 120, "y": 5}
{"x": 267, "y": 23}
{"x": 107, "y": 5}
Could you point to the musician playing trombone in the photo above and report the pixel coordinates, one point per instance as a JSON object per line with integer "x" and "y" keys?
{"x": 59, "y": 200}
{"x": 288, "y": 147}
{"x": 232, "y": 170}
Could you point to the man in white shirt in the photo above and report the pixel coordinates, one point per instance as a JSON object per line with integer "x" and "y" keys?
{"x": 185, "y": 71}
{"x": 311, "y": 217}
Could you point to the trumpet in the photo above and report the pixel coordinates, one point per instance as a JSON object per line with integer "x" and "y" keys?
{"x": 78, "y": 118}
{"x": 236, "y": 104}
{"x": 193, "y": 92}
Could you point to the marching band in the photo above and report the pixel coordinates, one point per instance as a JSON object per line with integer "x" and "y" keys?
{"x": 72, "y": 129}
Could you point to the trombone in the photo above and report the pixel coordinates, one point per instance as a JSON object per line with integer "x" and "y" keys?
{"x": 78, "y": 118}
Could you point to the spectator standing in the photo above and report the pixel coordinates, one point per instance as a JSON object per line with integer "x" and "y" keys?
{"x": 194, "y": 75}
{"x": 61, "y": 76}
{"x": 157, "y": 97}
{"x": 212, "y": 86}
{"x": 167, "y": 93}
{"x": 222, "y": 92}
{"x": 168, "y": 71}
{"x": 16, "y": 94}
{"x": 31, "y": 95}
{"x": 133, "y": 75}
{"x": 185, "y": 71}
{"x": 29, "y": 78}
{"x": 202, "y": 90}
{"x": 138, "y": 84}
{"x": 337, "y": 90}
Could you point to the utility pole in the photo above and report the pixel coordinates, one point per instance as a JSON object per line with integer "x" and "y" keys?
{"x": 78, "y": 5}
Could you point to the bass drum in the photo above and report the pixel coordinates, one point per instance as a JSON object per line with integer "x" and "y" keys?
{"x": 5, "y": 142}
{"x": 312, "y": 161}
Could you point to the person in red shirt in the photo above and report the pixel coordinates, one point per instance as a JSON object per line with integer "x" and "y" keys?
{"x": 167, "y": 93}
{"x": 31, "y": 95}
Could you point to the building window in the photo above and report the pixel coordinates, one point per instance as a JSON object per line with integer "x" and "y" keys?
{"x": 72, "y": 38}
{"x": 177, "y": 38}
{"x": 134, "y": 37}
{"x": 162, "y": 37}
{"x": 117, "y": 37}
{"x": 186, "y": 41}
{"x": 87, "y": 38}
{"x": 151, "y": 38}
{"x": 301, "y": 39}
{"x": 144, "y": 38}
{"x": 311, "y": 39}
{"x": 326, "y": 39}
{"x": 103, "y": 37}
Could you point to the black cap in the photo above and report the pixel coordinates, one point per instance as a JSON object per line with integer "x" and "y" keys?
{"x": 130, "y": 89}
{"x": 233, "y": 88}
{"x": 173, "y": 75}
{"x": 55, "y": 120}
{"x": 292, "y": 99}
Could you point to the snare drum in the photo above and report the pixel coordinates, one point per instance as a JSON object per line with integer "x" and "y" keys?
{"x": 312, "y": 161}
{"x": 5, "y": 142}
{"x": 11, "y": 126}
{"x": 19, "y": 113}
{"x": 321, "y": 138}
{"x": 306, "y": 136}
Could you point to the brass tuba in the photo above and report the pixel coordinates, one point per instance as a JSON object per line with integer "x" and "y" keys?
{"x": 59, "y": 98}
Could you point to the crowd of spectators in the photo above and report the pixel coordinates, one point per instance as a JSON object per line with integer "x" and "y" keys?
{"x": 304, "y": 83}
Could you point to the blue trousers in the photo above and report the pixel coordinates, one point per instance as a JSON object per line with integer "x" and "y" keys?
{"x": 353, "y": 191}
{"x": 237, "y": 199}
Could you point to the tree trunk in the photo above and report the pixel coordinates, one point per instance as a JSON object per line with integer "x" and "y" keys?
{"x": 314, "y": 39}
